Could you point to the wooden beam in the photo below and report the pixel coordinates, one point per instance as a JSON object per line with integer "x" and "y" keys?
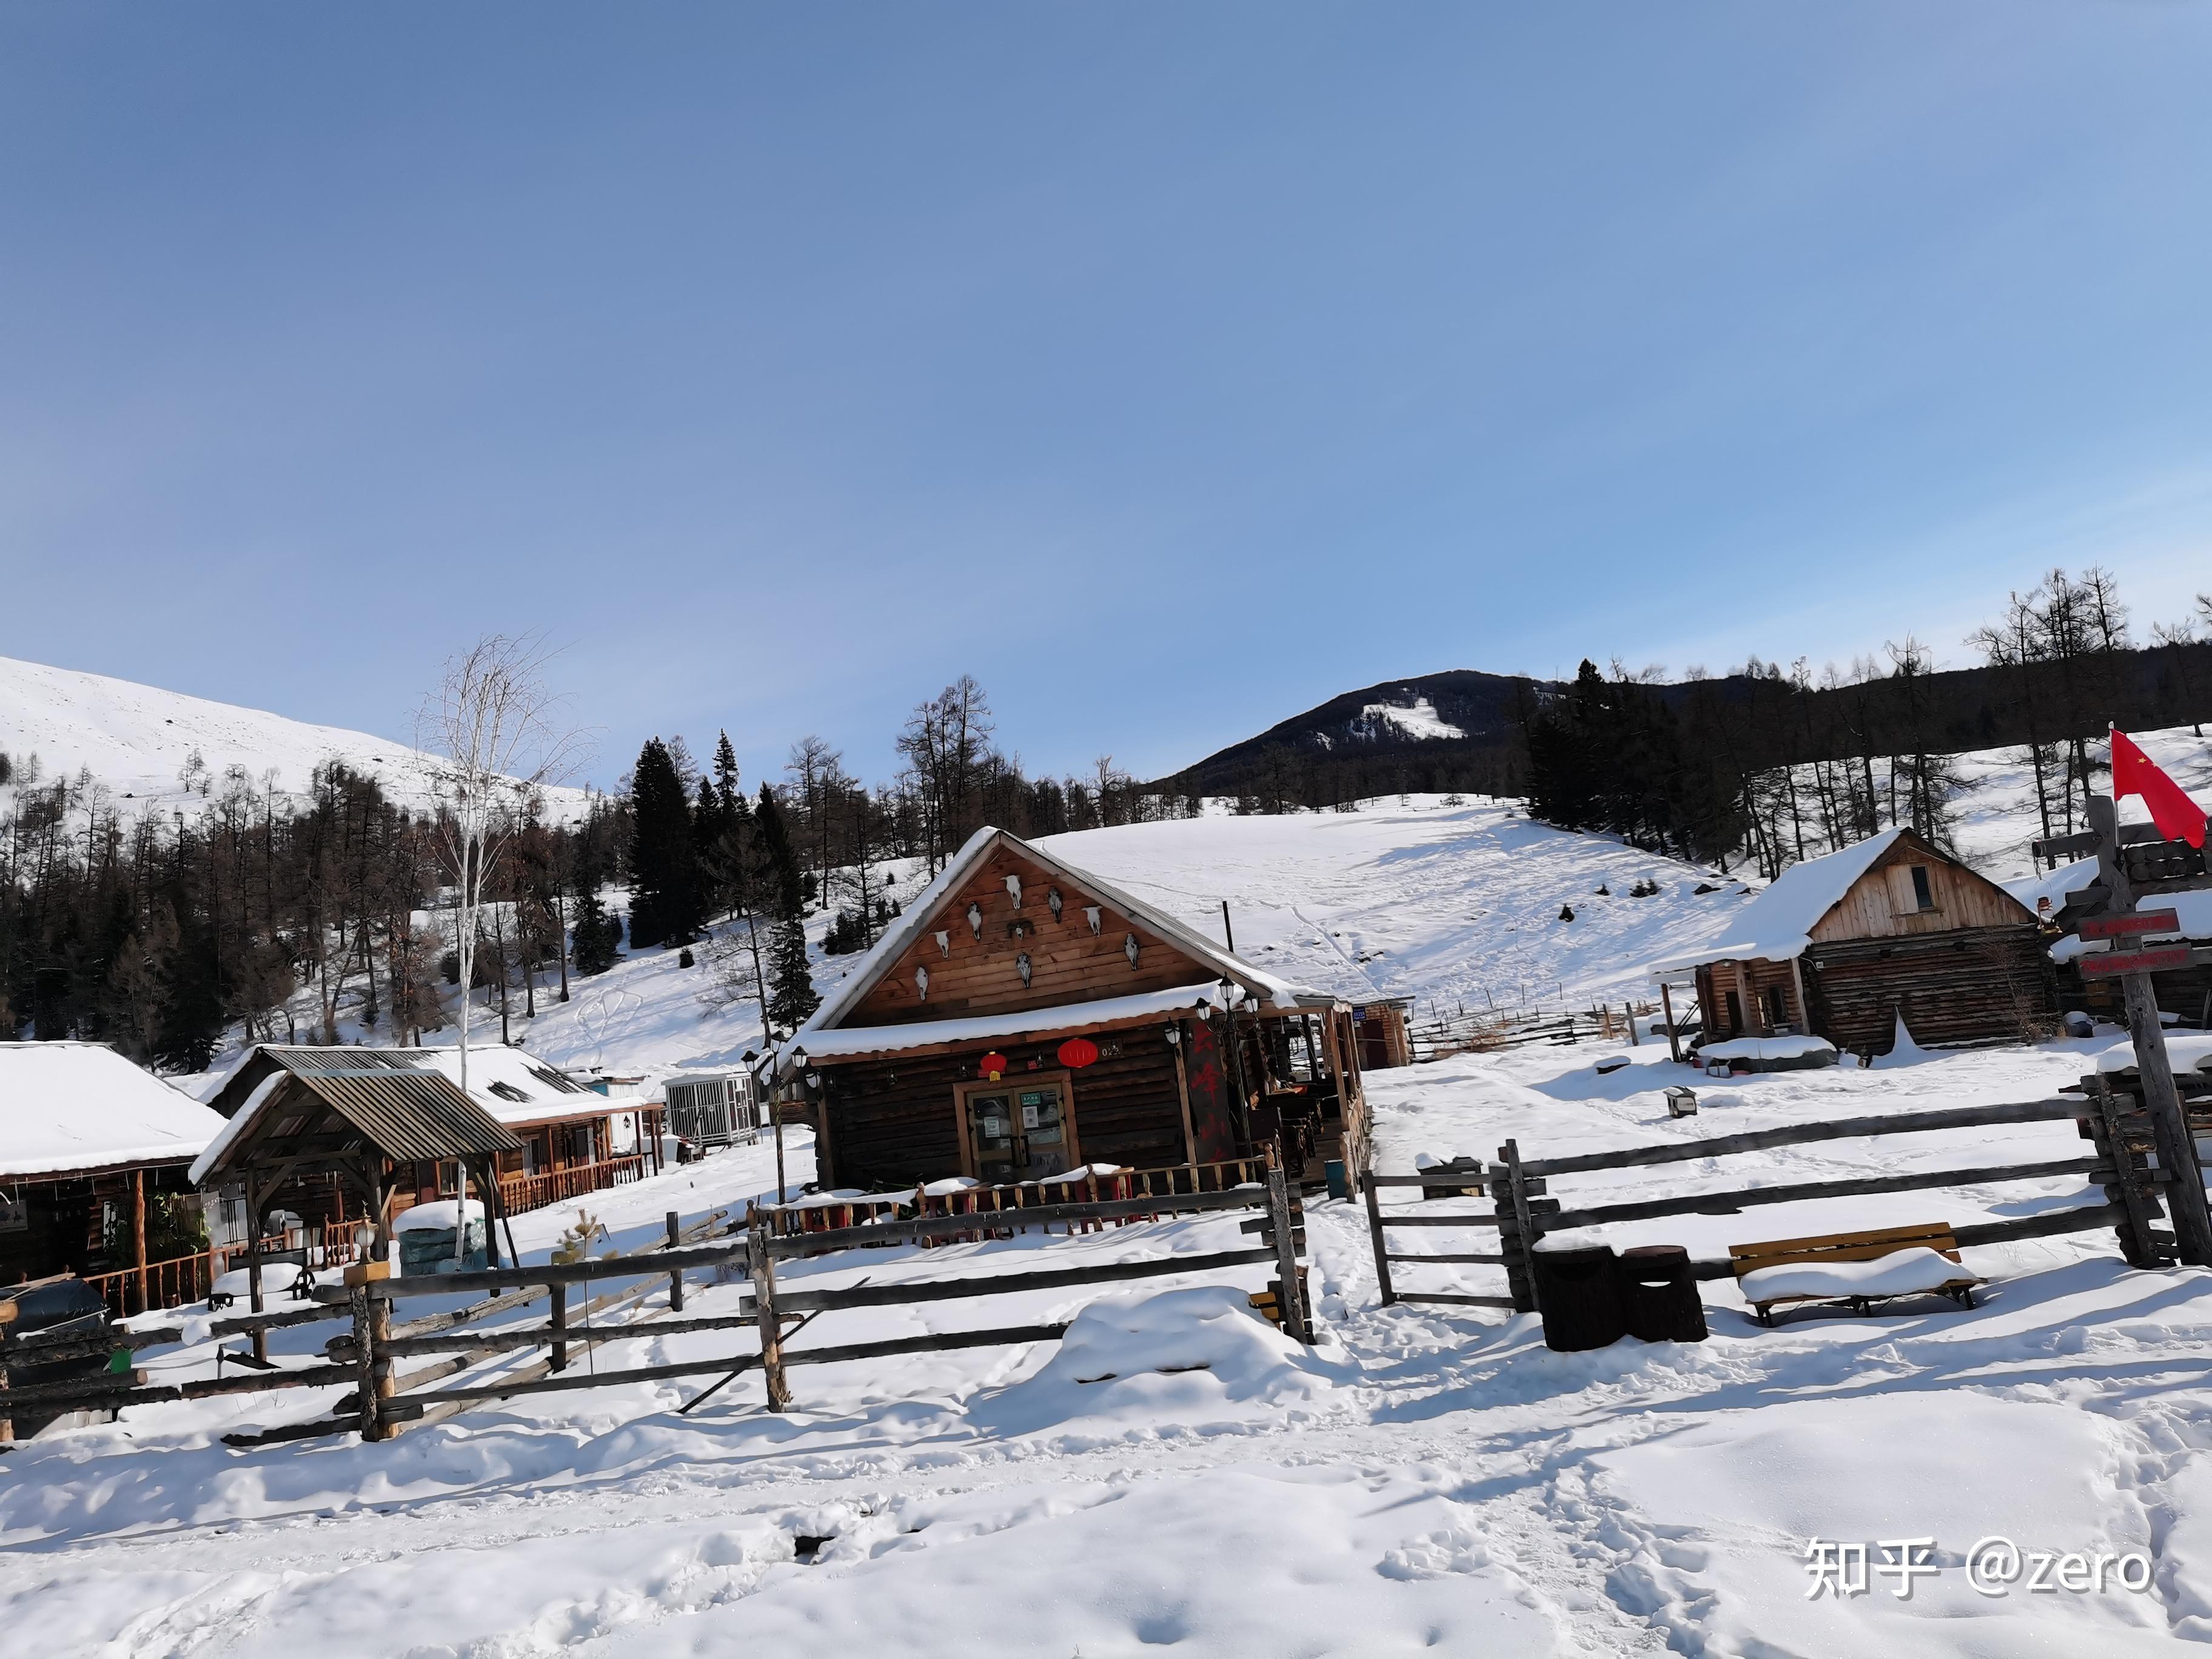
{"x": 1800, "y": 1134}
{"x": 1729, "y": 1202}
{"x": 1182, "y": 1094}
{"x": 138, "y": 1232}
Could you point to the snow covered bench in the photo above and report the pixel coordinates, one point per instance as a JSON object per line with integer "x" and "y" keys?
{"x": 1859, "y": 1269}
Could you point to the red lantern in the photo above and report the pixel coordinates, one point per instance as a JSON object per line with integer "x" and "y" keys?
{"x": 994, "y": 1066}
{"x": 1076, "y": 1052}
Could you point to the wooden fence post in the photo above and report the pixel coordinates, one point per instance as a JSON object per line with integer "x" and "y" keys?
{"x": 2176, "y": 1147}
{"x": 2139, "y": 1244}
{"x": 1375, "y": 1232}
{"x": 1284, "y": 1225}
{"x": 676, "y": 1279}
{"x": 365, "y": 1359}
{"x": 770, "y": 1327}
{"x": 560, "y": 1323}
{"x": 1516, "y": 1228}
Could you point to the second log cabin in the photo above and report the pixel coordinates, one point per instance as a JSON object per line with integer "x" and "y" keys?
{"x": 1892, "y": 929}
{"x": 1024, "y": 1019}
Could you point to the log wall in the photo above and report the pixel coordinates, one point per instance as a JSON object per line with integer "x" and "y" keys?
{"x": 893, "y": 1122}
{"x": 1970, "y": 985}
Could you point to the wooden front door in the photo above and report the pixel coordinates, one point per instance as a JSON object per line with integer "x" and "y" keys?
{"x": 1020, "y": 1128}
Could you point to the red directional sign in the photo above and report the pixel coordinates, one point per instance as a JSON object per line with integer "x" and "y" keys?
{"x": 2111, "y": 965}
{"x": 2135, "y": 922}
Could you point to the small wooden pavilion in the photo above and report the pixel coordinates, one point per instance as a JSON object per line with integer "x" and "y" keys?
{"x": 1024, "y": 1019}
{"x": 571, "y": 1139}
{"x": 1843, "y": 946}
{"x": 322, "y": 1127}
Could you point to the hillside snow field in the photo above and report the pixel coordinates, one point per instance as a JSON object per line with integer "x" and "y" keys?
{"x": 137, "y": 740}
{"x": 1450, "y": 905}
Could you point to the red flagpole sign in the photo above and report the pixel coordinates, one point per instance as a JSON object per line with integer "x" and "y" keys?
{"x": 2134, "y": 772}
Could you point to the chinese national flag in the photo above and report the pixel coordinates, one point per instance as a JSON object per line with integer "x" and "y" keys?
{"x": 2178, "y": 818}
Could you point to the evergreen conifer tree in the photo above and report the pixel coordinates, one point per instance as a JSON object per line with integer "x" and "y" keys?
{"x": 664, "y": 862}
{"x": 782, "y": 858}
{"x": 791, "y": 997}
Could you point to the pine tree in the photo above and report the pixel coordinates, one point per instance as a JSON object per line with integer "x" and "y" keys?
{"x": 663, "y": 863}
{"x": 791, "y": 997}
{"x": 776, "y": 849}
{"x": 598, "y": 935}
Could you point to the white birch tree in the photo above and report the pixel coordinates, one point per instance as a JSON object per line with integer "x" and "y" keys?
{"x": 491, "y": 731}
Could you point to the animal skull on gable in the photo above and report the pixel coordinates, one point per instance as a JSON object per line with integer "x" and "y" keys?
{"x": 1022, "y": 967}
{"x": 975, "y": 918}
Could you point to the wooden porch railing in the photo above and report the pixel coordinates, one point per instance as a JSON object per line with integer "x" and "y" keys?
{"x": 519, "y": 1193}
{"x": 183, "y": 1279}
{"x": 823, "y": 1215}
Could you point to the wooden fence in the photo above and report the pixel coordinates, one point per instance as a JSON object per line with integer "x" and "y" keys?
{"x": 519, "y": 1193}
{"x": 2108, "y": 1113}
{"x": 160, "y": 1285}
{"x": 1441, "y": 1034}
{"x": 1014, "y": 1202}
{"x": 383, "y": 1400}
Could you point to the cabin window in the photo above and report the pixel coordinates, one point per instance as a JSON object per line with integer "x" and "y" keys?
{"x": 1777, "y": 1005}
{"x": 1912, "y": 890}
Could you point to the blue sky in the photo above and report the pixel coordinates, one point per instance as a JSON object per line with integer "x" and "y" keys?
{"x": 1170, "y": 368}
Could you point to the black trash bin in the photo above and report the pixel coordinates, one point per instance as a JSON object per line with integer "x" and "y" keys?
{"x": 1578, "y": 1293}
{"x": 1659, "y": 1294}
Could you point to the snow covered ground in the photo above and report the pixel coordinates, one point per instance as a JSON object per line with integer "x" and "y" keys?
{"x": 1424, "y": 1479}
{"x": 137, "y": 740}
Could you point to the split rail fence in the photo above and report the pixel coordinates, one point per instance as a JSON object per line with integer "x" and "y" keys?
{"x": 2107, "y": 1110}
{"x": 383, "y": 1400}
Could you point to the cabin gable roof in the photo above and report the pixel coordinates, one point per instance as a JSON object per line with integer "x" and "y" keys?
{"x": 957, "y": 953}
{"x": 1847, "y": 895}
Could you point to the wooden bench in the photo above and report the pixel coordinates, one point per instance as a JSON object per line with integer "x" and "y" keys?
{"x": 1871, "y": 1246}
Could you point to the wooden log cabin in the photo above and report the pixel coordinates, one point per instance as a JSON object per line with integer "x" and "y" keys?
{"x": 90, "y": 1142}
{"x": 1843, "y": 946}
{"x": 1024, "y": 1019}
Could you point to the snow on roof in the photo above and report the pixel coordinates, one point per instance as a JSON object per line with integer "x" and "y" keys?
{"x": 515, "y": 1087}
{"x": 909, "y": 925}
{"x": 67, "y": 1106}
{"x": 1067, "y": 1016}
{"x": 507, "y": 1084}
{"x": 1778, "y": 923}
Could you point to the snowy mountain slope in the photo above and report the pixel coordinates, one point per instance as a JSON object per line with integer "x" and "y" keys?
{"x": 138, "y": 739}
{"x": 1446, "y": 904}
